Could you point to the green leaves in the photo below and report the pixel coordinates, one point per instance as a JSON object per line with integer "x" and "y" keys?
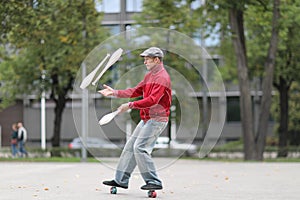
{"x": 174, "y": 14}
{"x": 46, "y": 35}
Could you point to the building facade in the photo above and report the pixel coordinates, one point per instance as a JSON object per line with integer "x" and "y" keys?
{"x": 117, "y": 18}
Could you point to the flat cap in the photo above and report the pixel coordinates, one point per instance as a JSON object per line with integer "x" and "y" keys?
{"x": 153, "y": 52}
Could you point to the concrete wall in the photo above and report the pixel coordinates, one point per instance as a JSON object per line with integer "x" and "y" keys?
{"x": 9, "y": 116}
{"x": 71, "y": 122}
{"x": 115, "y": 131}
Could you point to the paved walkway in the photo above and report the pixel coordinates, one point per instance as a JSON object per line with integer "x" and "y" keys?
{"x": 183, "y": 179}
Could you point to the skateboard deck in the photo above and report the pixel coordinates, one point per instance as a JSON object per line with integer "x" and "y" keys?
{"x": 151, "y": 193}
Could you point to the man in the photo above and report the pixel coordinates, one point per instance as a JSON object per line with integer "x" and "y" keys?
{"x": 22, "y": 137}
{"x": 154, "y": 108}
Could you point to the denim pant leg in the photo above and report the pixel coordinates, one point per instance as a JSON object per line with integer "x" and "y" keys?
{"x": 127, "y": 161}
{"x": 143, "y": 147}
{"x": 22, "y": 148}
{"x": 14, "y": 149}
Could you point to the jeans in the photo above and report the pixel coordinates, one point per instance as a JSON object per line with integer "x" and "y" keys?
{"x": 14, "y": 150}
{"x": 22, "y": 148}
{"x": 137, "y": 152}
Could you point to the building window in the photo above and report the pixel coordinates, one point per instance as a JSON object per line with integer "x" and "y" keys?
{"x": 194, "y": 4}
{"x": 113, "y": 29}
{"x": 134, "y": 5}
{"x": 233, "y": 109}
{"x": 108, "y": 6}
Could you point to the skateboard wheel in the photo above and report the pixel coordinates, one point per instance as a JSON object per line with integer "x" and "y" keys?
{"x": 113, "y": 190}
{"x": 152, "y": 194}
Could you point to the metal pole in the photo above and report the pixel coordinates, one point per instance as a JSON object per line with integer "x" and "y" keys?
{"x": 128, "y": 121}
{"x": 128, "y": 127}
{"x": 84, "y": 100}
{"x": 173, "y": 123}
{"x": 43, "y": 121}
{"x": 204, "y": 78}
{"x": 84, "y": 116}
{"x": 43, "y": 114}
{"x": 0, "y": 136}
{"x": 204, "y": 96}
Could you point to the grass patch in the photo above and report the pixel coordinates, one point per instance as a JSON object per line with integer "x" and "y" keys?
{"x": 94, "y": 160}
{"x": 50, "y": 159}
{"x": 288, "y": 160}
{"x": 238, "y": 146}
{"x": 234, "y": 146}
{"x": 267, "y": 160}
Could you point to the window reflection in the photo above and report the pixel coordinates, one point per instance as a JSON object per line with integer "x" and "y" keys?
{"x": 108, "y": 6}
{"x": 134, "y": 5}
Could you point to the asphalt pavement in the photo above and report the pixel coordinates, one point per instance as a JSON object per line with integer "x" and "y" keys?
{"x": 182, "y": 179}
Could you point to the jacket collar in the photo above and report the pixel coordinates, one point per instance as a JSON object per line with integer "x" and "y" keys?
{"x": 157, "y": 68}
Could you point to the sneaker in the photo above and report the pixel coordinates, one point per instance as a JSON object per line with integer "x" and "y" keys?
{"x": 150, "y": 186}
{"x": 114, "y": 184}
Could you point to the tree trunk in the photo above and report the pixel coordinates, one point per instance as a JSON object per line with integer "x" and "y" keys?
{"x": 268, "y": 83}
{"x": 58, "y": 111}
{"x": 238, "y": 38}
{"x": 59, "y": 96}
{"x": 283, "y": 88}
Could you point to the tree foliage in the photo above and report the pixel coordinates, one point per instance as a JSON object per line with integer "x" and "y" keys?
{"x": 46, "y": 36}
{"x": 285, "y": 80}
{"x": 173, "y": 14}
{"x": 286, "y": 60}
{"x": 254, "y": 140}
{"x": 179, "y": 16}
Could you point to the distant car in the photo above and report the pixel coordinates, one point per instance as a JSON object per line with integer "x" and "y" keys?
{"x": 164, "y": 142}
{"x": 92, "y": 142}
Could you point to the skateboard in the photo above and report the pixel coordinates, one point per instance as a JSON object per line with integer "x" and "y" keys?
{"x": 151, "y": 193}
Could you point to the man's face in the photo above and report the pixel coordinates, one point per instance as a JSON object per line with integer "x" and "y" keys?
{"x": 150, "y": 62}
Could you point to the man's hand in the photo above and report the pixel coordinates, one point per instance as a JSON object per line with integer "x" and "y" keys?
{"x": 108, "y": 91}
{"x": 124, "y": 107}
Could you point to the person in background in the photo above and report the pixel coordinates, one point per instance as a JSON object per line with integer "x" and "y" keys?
{"x": 22, "y": 137}
{"x": 14, "y": 140}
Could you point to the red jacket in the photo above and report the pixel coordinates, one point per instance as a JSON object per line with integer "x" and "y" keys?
{"x": 155, "y": 89}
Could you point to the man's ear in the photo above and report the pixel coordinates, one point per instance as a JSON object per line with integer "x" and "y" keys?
{"x": 157, "y": 60}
